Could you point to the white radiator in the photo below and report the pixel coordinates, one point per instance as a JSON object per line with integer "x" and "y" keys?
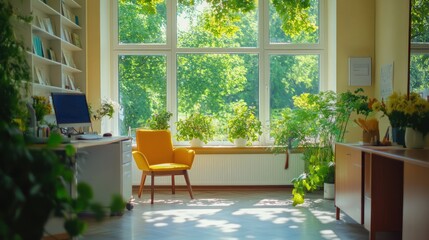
{"x": 235, "y": 170}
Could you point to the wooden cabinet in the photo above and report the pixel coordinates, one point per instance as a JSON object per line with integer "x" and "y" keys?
{"x": 56, "y": 41}
{"x": 416, "y": 202}
{"x": 348, "y": 181}
{"x": 384, "y": 188}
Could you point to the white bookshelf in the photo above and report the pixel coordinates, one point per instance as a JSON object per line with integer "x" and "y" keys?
{"x": 56, "y": 43}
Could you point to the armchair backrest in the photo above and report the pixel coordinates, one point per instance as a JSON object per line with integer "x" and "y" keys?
{"x": 156, "y": 145}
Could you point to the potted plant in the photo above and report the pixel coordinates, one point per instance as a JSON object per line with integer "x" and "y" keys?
{"x": 107, "y": 108}
{"x": 314, "y": 125}
{"x": 197, "y": 128}
{"x": 159, "y": 120}
{"x": 243, "y": 126}
{"x": 329, "y": 181}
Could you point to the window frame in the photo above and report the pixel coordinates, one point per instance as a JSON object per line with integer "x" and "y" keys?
{"x": 263, "y": 50}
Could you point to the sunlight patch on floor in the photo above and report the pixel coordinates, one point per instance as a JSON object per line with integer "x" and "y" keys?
{"x": 324, "y": 217}
{"x": 274, "y": 202}
{"x": 273, "y": 214}
{"x": 162, "y": 218}
{"x": 328, "y": 234}
{"x": 222, "y": 225}
{"x": 210, "y": 202}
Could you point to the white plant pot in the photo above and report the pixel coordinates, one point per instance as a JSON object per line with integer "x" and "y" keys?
{"x": 413, "y": 138}
{"x": 196, "y": 142}
{"x": 329, "y": 190}
{"x": 240, "y": 142}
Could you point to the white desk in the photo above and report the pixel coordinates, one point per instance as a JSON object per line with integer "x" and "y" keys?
{"x": 105, "y": 164}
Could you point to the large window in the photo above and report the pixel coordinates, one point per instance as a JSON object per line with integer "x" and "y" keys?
{"x": 419, "y": 59}
{"x": 181, "y": 55}
{"x": 142, "y": 88}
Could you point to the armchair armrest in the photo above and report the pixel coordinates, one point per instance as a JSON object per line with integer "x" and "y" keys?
{"x": 183, "y": 156}
{"x": 141, "y": 161}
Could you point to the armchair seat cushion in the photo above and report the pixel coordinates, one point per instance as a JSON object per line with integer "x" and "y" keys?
{"x": 169, "y": 167}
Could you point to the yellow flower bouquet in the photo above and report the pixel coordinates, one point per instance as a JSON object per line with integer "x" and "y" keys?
{"x": 42, "y": 107}
{"x": 406, "y": 111}
{"x": 393, "y": 109}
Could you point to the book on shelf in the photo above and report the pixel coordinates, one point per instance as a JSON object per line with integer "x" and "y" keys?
{"x": 48, "y": 25}
{"x": 68, "y": 59}
{"x": 39, "y": 23}
{"x": 66, "y": 35}
{"x": 67, "y": 13}
{"x": 76, "y": 40}
{"x": 38, "y": 48}
{"x": 70, "y": 82}
{"x": 76, "y": 20}
{"x": 51, "y": 54}
{"x": 40, "y": 77}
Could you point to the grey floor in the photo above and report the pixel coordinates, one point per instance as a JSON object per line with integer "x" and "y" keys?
{"x": 228, "y": 214}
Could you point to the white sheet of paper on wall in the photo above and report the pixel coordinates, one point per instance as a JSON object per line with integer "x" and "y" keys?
{"x": 360, "y": 71}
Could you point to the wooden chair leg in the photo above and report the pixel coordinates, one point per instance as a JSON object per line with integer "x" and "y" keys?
{"x": 152, "y": 187}
{"x": 173, "y": 185}
{"x": 143, "y": 179}
{"x": 185, "y": 173}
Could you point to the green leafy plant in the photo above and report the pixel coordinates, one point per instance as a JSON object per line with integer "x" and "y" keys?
{"x": 315, "y": 124}
{"x": 107, "y": 108}
{"x": 197, "y": 125}
{"x": 33, "y": 180}
{"x": 330, "y": 173}
{"x": 243, "y": 123}
{"x": 159, "y": 120}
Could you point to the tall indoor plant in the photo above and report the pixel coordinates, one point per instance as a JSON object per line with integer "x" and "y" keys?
{"x": 243, "y": 124}
{"x": 314, "y": 125}
{"x": 31, "y": 179}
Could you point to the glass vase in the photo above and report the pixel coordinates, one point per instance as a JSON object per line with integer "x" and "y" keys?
{"x": 398, "y": 135}
{"x": 413, "y": 138}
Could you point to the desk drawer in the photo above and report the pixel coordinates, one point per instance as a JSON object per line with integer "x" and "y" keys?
{"x": 126, "y": 157}
{"x": 127, "y": 146}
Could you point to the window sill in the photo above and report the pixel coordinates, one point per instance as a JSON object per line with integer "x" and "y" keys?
{"x": 233, "y": 149}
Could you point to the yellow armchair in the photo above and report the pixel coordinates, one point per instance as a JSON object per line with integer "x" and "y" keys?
{"x": 155, "y": 156}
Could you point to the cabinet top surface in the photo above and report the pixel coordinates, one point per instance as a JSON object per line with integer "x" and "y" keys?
{"x": 414, "y": 156}
{"x": 103, "y": 141}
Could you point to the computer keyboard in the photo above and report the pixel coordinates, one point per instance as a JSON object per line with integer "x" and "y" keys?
{"x": 89, "y": 137}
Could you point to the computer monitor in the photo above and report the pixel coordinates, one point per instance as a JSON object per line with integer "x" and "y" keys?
{"x": 71, "y": 110}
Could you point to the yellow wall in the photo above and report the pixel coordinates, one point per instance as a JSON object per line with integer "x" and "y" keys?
{"x": 93, "y": 56}
{"x": 376, "y": 29}
{"x": 391, "y": 44}
{"x": 355, "y": 38}
{"x": 391, "y": 41}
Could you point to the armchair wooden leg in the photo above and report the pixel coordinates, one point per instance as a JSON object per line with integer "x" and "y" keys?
{"x": 185, "y": 173}
{"x": 173, "y": 185}
{"x": 152, "y": 187}
{"x": 143, "y": 179}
